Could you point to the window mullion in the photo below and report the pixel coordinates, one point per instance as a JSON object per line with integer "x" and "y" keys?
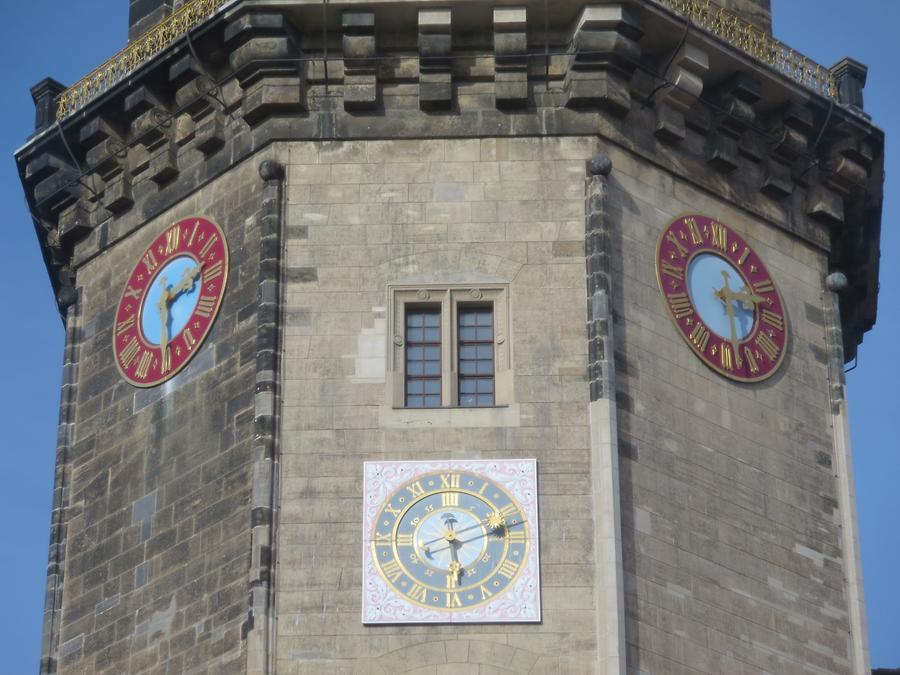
{"x": 448, "y": 360}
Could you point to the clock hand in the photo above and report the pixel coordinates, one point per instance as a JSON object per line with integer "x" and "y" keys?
{"x": 163, "y": 307}
{"x": 462, "y": 542}
{"x": 749, "y": 298}
{"x": 494, "y": 521}
{"x": 186, "y": 282}
{"x": 426, "y": 544}
{"x": 726, "y": 295}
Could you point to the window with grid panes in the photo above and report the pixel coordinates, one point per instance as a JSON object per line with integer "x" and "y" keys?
{"x": 476, "y": 356}
{"x": 423, "y": 357}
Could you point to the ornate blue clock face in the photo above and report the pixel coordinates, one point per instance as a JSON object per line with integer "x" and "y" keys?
{"x": 450, "y": 541}
{"x": 706, "y": 274}
{"x": 181, "y": 304}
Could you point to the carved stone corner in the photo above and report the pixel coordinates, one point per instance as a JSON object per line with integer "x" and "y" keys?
{"x": 603, "y": 53}
{"x": 850, "y": 76}
{"x": 44, "y": 95}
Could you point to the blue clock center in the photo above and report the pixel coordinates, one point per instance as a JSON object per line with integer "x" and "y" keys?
{"x": 706, "y": 276}
{"x": 181, "y": 306}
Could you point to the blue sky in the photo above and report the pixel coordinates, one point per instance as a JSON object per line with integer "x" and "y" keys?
{"x": 66, "y": 39}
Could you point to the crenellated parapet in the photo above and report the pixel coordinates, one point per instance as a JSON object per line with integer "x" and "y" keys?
{"x": 634, "y": 73}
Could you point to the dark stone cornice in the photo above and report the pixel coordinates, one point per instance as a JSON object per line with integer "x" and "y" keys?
{"x": 633, "y": 74}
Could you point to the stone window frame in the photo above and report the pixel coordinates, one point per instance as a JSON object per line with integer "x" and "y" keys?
{"x": 449, "y": 297}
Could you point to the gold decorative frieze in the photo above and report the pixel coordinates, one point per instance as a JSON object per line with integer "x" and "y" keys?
{"x": 705, "y": 14}
{"x": 141, "y": 50}
{"x": 757, "y": 43}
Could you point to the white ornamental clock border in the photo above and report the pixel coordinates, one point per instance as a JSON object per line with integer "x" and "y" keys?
{"x": 521, "y": 603}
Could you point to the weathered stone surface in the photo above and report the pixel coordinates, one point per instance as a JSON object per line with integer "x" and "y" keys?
{"x": 454, "y": 167}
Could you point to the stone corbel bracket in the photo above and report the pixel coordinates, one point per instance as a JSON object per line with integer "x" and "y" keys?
{"x": 106, "y": 151}
{"x": 603, "y": 54}
{"x": 685, "y": 85}
{"x": 435, "y": 59}
{"x": 785, "y": 165}
{"x": 734, "y": 114}
{"x": 510, "y": 60}
{"x": 152, "y": 136}
{"x": 202, "y": 120}
{"x": 265, "y": 58}
{"x": 360, "y": 66}
{"x": 811, "y": 165}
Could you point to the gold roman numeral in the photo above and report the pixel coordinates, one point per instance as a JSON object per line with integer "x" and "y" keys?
{"x": 193, "y": 233}
{"x": 485, "y": 593}
{"x": 694, "y": 230}
{"x": 508, "y": 569}
{"x": 673, "y": 270}
{"x": 419, "y": 593}
{"x": 189, "y": 339}
{"x": 773, "y": 319}
{"x": 129, "y": 354}
{"x": 206, "y": 305}
{"x": 508, "y": 510}
{"x": 173, "y": 238}
{"x": 700, "y": 337}
{"x": 672, "y": 239}
{"x": 453, "y": 580}
{"x": 726, "y": 357}
{"x": 212, "y": 272}
{"x": 769, "y": 348}
{"x": 382, "y": 539}
{"x": 166, "y": 361}
{"x": 764, "y": 286}
{"x": 404, "y": 539}
{"x": 390, "y": 509}
{"x": 208, "y": 245}
{"x": 718, "y": 235}
{"x": 144, "y": 365}
{"x": 680, "y": 304}
{"x": 392, "y": 571}
{"x": 453, "y": 600}
{"x": 149, "y": 261}
{"x": 515, "y": 536}
{"x": 133, "y": 293}
{"x": 751, "y": 360}
{"x": 126, "y": 325}
{"x": 744, "y": 255}
{"x": 450, "y": 480}
{"x": 416, "y": 489}
{"x": 449, "y": 499}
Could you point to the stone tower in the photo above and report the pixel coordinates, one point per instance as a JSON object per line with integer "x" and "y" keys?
{"x": 577, "y": 278}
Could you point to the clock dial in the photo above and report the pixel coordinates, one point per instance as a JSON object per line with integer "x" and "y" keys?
{"x": 170, "y": 301}
{"x": 452, "y": 544}
{"x": 721, "y": 298}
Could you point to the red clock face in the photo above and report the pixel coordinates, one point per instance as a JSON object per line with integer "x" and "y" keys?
{"x": 170, "y": 301}
{"x": 721, "y": 298}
